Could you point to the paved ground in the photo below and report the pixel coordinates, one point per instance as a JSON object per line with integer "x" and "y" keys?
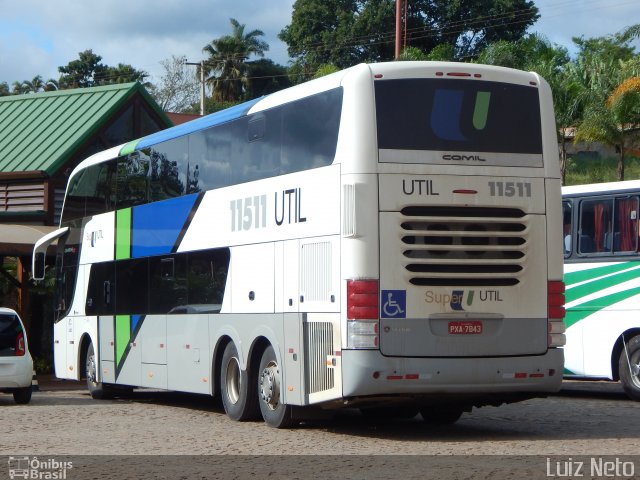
{"x": 588, "y": 420}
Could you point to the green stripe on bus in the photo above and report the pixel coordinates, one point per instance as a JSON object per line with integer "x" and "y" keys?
{"x": 123, "y": 335}
{"x": 568, "y": 372}
{"x": 481, "y": 110}
{"x": 575, "y": 314}
{"x": 123, "y": 233}
{"x": 591, "y": 273}
{"x": 575, "y": 293}
{"x": 129, "y": 148}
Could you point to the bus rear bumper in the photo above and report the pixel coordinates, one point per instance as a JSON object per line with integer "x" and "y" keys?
{"x": 369, "y": 373}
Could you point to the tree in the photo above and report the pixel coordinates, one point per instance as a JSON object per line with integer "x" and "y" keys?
{"x": 178, "y": 88}
{"x": 87, "y": 71}
{"x": 83, "y": 72}
{"x": 226, "y": 68}
{"x": 123, "y": 73}
{"x": 608, "y": 67}
{"x": 4, "y": 89}
{"x": 346, "y": 32}
{"x": 264, "y": 77}
{"x": 528, "y": 53}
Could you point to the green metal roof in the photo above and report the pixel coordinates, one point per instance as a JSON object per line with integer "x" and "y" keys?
{"x": 40, "y": 132}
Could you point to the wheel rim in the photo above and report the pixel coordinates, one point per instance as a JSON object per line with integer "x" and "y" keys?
{"x": 270, "y": 385}
{"x": 91, "y": 369}
{"x": 232, "y": 380}
{"x": 634, "y": 368}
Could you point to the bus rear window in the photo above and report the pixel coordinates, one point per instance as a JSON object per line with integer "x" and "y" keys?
{"x": 497, "y": 123}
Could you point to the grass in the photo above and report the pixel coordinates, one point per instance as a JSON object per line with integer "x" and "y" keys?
{"x": 584, "y": 170}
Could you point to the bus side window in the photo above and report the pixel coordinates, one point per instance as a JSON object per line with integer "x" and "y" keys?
{"x": 595, "y": 226}
{"x": 566, "y": 227}
{"x": 625, "y": 231}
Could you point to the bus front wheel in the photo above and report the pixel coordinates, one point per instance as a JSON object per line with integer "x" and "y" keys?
{"x": 239, "y": 397}
{"x": 275, "y": 413}
{"x": 629, "y": 368}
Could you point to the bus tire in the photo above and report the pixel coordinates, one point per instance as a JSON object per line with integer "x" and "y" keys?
{"x": 239, "y": 397}
{"x": 275, "y": 413}
{"x": 440, "y": 416}
{"x": 629, "y": 368}
{"x": 98, "y": 390}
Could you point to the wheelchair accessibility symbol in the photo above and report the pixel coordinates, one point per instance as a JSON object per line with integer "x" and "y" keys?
{"x": 394, "y": 303}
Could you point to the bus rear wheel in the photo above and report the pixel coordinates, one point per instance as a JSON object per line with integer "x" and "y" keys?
{"x": 275, "y": 413}
{"x": 239, "y": 397}
{"x": 98, "y": 390}
{"x": 629, "y": 368}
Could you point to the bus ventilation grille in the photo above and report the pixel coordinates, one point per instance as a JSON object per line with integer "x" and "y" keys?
{"x": 464, "y": 246}
{"x": 318, "y": 338}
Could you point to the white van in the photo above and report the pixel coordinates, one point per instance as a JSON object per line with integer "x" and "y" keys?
{"x": 16, "y": 364}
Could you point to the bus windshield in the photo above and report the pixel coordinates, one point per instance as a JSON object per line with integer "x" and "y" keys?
{"x": 448, "y": 116}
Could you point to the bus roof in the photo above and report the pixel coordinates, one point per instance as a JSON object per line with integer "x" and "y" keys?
{"x": 610, "y": 187}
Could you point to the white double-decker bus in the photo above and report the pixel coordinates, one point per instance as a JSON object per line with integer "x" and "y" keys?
{"x": 602, "y": 273}
{"x": 386, "y": 237}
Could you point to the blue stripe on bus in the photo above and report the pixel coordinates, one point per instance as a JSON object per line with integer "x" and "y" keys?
{"x": 157, "y": 226}
{"x": 216, "y": 118}
{"x": 134, "y": 323}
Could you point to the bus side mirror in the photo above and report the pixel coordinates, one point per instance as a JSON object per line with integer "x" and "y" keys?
{"x": 40, "y": 252}
{"x": 38, "y": 265}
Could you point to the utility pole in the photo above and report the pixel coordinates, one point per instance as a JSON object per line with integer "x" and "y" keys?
{"x": 201, "y": 63}
{"x": 398, "y": 26}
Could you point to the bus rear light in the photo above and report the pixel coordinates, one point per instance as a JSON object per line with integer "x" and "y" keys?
{"x": 362, "y": 314}
{"x": 362, "y": 299}
{"x": 556, "y": 327}
{"x": 20, "y": 348}
{"x": 362, "y": 334}
{"x": 555, "y": 300}
{"x": 556, "y": 340}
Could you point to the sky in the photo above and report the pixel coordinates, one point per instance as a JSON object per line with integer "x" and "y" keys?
{"x": 36, "y": 37}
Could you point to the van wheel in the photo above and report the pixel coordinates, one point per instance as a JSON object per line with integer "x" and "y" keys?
{"x": 239, "y": 396}
{"x": 440, "y": 416}
{"x": 22, "y": 396}
{"x": 629, "y": 368}
{"x": 275, "y": 413}
{"x": 98, "y": 390}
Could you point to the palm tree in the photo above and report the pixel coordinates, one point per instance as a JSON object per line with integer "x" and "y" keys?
{"x": 614, "y": 107}
{"x": 225, "y": 68}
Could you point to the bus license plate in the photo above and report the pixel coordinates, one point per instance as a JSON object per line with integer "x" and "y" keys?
{"x": 468, "y": 327}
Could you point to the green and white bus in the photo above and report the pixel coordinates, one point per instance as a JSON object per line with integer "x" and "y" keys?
{"x": 602, "y": 276}
{"x": 386, "y": 237}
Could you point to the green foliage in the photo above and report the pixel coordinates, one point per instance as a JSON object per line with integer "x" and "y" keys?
{"x": 42, "y": 365}
{"x": 527, "y": 53}
{"x": 265, "y": 77}
{"x": 87, "y": 71}
{"x": 326, "y": 69}
{"x": 582, "y": 170}
{"x": 605, "y": 65}
{"x": 347, "y": 32}
{"x": 226, "y": 68}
